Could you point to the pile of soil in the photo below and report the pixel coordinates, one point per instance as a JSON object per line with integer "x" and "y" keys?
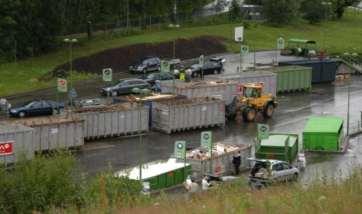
{"x": 120, "y": 58}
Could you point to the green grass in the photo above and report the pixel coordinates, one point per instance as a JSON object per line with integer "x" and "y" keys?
{"x": 335, "y": 36}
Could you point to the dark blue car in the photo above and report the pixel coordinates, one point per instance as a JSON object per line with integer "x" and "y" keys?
{"x": 37, "y": 108}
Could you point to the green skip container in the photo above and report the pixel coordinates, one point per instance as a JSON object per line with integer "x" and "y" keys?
{"x": 293, "y": 78}
{"x": 159, "y": 174}
{"x": 323, "y": 134}
{"x": 278, "y": 147}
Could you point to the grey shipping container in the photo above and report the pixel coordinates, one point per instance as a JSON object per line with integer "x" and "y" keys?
{"x": 268, "y": 78}
{"x": 323, "y": 70}
{"x": 114, "y": 121}
{"x": 185, "y": 114}
{"x": 225, "y": 90}
{"x": 20, "y": 137}
{"x": 54, "y": 132}
{"x": 221, "y": 162}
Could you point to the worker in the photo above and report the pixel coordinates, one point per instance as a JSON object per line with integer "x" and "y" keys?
{"x": 188, "y": 73}
{"x": 236, "y": 162}
{"x": 182, "y": 76}
{"x": 205, "y": 183}
{"x": 157, "y": 86}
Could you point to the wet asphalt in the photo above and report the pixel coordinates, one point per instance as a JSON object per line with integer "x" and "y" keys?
{"x": 290, "y": 117}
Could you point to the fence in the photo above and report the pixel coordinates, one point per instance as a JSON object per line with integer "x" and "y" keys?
{"x": 127, "y": 25}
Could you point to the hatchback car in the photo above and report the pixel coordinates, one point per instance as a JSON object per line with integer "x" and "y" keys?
{"x": 210, "y": 67}
{"x": 37, "y": 108}
{"x": 148, "y": 64}
{"x": 125, "y": 87}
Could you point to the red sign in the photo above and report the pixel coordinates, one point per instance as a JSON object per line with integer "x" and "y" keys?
{"x": 6, "y": 148}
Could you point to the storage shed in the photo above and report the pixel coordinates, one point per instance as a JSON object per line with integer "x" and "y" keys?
{"x": 278, "y": 147}
{"x": 323, "y": 134}
{"x": 160, "y": 174}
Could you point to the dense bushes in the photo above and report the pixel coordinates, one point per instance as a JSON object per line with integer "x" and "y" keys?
{"x": 48, "y": 182}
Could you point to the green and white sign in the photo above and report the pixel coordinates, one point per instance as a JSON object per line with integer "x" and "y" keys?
{"x": 280, "y": 43}
{"x": 107, "y": 74}
{"x": 244, "y": 49}
{"x": 263, "y": 131}
{"x": 62, "y": 85}
{"x": 165, "y": 66}
{"x": 180, "y": 149}
{"x": 202, "y": 60}
{"x": 206, "y": 140}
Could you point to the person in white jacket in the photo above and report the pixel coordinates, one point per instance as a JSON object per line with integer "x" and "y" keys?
{"x": 205, "y": 183}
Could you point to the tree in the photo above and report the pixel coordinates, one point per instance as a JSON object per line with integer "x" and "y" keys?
{"x": 281, "y": 12}
{"x": 235, "y": 12}
{"x": 315, "y": 10}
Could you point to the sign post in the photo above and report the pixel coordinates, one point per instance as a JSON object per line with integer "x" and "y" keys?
{"x": 206, "y": 143}
{"x": 201, "y": 63}
{"x": 239, "y": 34}
{"x": 165, "y": 66}
{"x": 244, "y": 50}
{"x": 62, "y": 85}
{"x": 180, "y": 150}
{"x": 107, "y": 74}
{"x": 263, "y": 131}
{"x": 280, "y": 46}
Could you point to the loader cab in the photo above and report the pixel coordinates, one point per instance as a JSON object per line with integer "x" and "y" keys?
{"x": 252, "y": 90}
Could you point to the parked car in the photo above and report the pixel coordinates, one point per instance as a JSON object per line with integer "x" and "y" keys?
{"x": 265, "y": 172}
{"x": 125, "y": 87}
{"x": 145, "y": 65}
{"x": 151, "y": 78}
{"x": 37, "y": 108}
{"x": 213, "y": 66}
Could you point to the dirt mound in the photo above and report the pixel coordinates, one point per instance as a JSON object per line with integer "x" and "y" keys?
{"x": 120, "y": 58}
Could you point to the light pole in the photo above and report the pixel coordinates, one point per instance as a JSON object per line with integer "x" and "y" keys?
{"x": 71, "y": 42}
{"x": 348, "y": 107}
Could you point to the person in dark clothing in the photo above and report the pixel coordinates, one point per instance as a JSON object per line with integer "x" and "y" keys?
{"x": 236, "y": 162}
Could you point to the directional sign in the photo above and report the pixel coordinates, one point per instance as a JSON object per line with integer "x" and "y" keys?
{"x": 165, "y": 66}
{"x": 263, "y": 131}
{"x": 239, "y": 34}
{"x": 107, "y": 74}
{"x": 280, "y": 43}
{"x": 62, "y": 85}
{"x": 202, "y": 60}
{"x": 6, "y": 148}
{"x": 206, "y": 140}
{"x": 180, "y": 149}
{"x": 244, "y": 49}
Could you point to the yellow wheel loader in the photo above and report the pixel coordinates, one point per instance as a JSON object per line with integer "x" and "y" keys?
{"x": 251, "y": 101}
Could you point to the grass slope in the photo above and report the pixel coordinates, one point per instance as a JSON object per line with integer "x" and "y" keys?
{"x": 335, "y": 36}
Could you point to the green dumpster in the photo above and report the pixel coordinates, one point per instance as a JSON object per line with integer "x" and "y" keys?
{"x": 293, "y": 78}
{"x": 278, "y": 147}
{"x": 160, "y": 174}
{"x": 323, "y": 134}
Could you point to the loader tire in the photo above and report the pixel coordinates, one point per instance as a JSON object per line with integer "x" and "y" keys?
{"x": 249, "y": 114}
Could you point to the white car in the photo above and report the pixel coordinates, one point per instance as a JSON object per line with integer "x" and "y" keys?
{"x": 271, "y": 171}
